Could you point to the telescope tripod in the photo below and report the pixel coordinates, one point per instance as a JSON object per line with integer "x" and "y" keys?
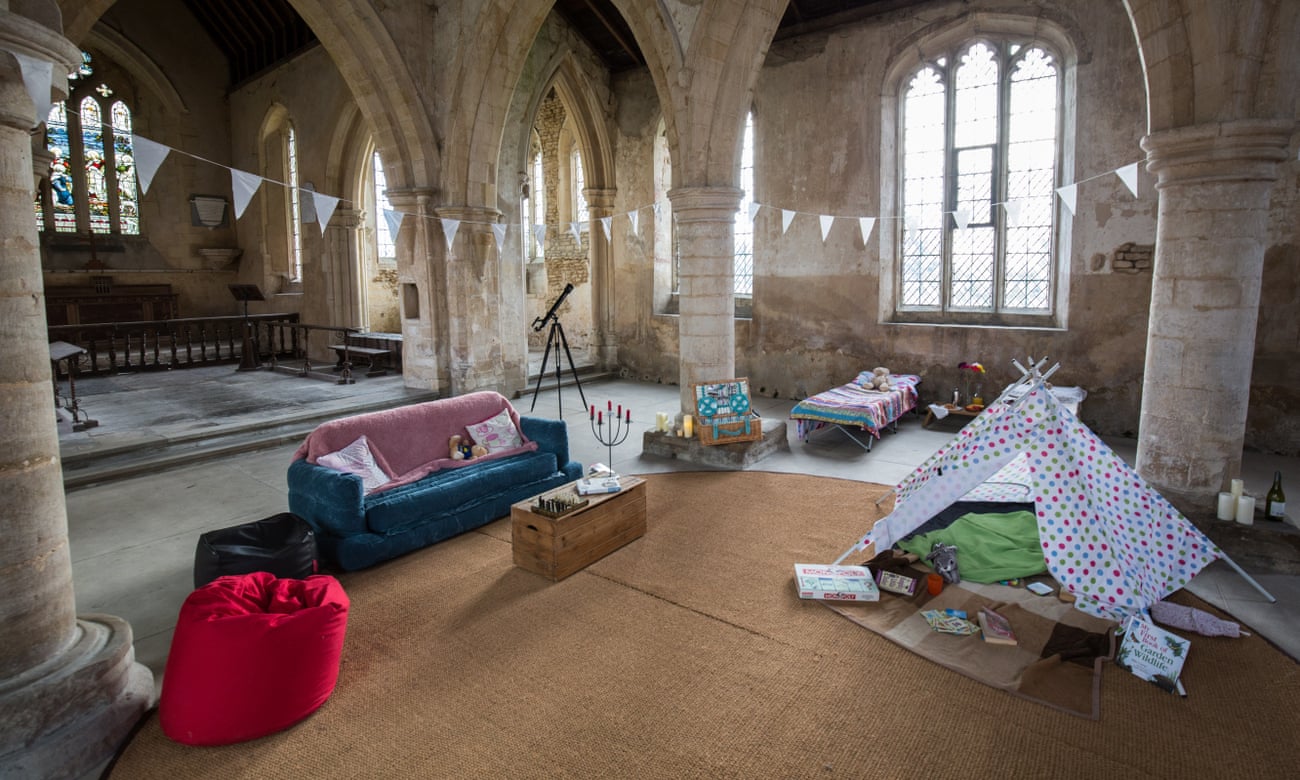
{"x": 555, "y": 340}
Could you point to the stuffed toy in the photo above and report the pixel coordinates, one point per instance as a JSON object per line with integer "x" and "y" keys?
{"x": 880, "y": 379}
{"x": 944, "y": 558}
{"x": 459, "y": 449}
{"x": 478, "y": 451}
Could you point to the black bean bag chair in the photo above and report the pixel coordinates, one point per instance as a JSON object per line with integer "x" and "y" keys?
{"x": 282, "y": 544}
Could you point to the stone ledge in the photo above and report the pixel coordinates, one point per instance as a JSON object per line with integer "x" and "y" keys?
{"x": 741, "y": 455}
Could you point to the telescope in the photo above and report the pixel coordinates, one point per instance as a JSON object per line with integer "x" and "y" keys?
{"x": 540, "y": 322}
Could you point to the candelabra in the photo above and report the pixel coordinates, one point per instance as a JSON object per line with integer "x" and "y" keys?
{"x": 620, "y": 423}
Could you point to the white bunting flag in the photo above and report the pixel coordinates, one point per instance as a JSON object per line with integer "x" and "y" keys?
{"x": 539, "y": 235}
{"x": 1129, "y": 175}
{"x": 787, "y": 216}
{"x": 324, "y": 206}
{"x": 499, "y": 233}
{"x": 962, "y": 217}
{"x": 573, "y": 230}
{"x": 148, "y": 156}
{"x": 1069, "y": 196}
{"x": 394, "y": 220}
{"x": 753, "y": 211}
{"x": 866, "y": 225}
{"x": 826, "y": 221}
{"x": 38, "y": 76}
{"x": 604, "y": 225}
{"x": 449, "y": 228}
{"x": 244, "y": 185}
{"x": 634, "y": 217}
{"x": 1012, "y": 208}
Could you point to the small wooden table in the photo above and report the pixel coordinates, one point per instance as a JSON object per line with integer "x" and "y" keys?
{"x": 930, "y": 415}
{"x": 556, "y": 547}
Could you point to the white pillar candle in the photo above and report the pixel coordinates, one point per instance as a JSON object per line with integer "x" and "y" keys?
{"x": 1227, "y": 507}
{"x": 688, "y": 426}
{"x": 661, "y": 421}
{"x": 1237, "y": 487}
{"x": 1246, "y": 510}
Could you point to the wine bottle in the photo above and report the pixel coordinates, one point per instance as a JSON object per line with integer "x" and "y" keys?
{"x": 1275, "y": 501}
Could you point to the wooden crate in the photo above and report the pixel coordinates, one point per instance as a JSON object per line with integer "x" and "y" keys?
{"x": 723, "y": 414}
{"x": 558, "y": 547}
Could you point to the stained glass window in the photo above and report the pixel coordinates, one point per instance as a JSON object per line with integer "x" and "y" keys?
{"x": 93, "y": 186}
{"x": 978, "y": 177}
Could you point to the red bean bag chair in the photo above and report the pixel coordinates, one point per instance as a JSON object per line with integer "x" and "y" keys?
{"x": 252, "y": 654}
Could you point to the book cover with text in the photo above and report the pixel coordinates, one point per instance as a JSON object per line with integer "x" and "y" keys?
{"x": 835, "y": 583}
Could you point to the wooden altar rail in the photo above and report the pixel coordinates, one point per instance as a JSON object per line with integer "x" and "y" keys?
{"x": 151, "y": 345}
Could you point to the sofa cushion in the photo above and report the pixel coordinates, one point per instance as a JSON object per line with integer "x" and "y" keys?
{"x": 496, "y": 433}
{"x": 356, "y": 458}
{"x": 445, "y": 492}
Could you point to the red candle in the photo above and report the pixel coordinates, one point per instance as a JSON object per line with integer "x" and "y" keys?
{"x": 600, "y": 418}
{"x": 593, "y": 411}
{"x": 629, "y": 415}
{"x": 610, "y": 407}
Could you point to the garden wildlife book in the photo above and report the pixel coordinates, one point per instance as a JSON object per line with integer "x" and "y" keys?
{"x": 1152, "y": 653}
{"x": 996, "y": 628}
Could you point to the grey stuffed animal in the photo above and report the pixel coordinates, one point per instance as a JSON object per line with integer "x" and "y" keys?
{"x": 944, "y": 558}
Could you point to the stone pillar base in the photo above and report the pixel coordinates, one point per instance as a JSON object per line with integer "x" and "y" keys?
{"x": 69, "y": 715}
{"x": 738, "y": 456}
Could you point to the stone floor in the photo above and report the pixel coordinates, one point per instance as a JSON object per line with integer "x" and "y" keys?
{"x": 172, "y": 474}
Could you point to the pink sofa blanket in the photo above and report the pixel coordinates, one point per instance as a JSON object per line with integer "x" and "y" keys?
{"x": 411, "y": 442}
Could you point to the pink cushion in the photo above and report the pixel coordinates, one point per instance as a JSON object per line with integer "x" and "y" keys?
{"x": 498, "y": 432}
{"x": 252, "y": 655}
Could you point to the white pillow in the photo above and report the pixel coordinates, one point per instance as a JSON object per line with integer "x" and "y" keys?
{"x": 496, "y": 433}
{"x": 356, "y": 459}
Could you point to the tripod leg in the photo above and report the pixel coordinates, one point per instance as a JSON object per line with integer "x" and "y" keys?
{"x": 542, "y": 371}
{"x": 572, "y": 370}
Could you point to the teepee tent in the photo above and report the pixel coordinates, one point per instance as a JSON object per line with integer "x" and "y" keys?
{"x": 1107, "y": 536}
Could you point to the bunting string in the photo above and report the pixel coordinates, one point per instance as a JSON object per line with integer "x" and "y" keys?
{"x": 150, "y": 154}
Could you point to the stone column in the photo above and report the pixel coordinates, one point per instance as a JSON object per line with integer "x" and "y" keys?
{"x": 1214, "y": 182}
{"x": 476, "y": 319}
{"x": 420, "y": 281}
{"x": 345, "y": 284}
{"x": 70, "y": 690}
{"x": 706, "y": 228}
{"x": 600, "y": 204}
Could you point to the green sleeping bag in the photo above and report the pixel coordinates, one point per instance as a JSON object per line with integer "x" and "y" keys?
{"x": 990, "y": 547}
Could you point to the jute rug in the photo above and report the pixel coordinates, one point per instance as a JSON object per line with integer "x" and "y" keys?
{"x": 687, "y": 654}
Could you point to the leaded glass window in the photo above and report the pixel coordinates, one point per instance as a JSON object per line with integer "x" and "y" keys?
{"x": 979, "y": 149}
{"x": 744, "y": 228}
{"x": 385, "y": 245}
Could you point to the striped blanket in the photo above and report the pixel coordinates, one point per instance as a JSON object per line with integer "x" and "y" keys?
{"x": 853, "y": 404}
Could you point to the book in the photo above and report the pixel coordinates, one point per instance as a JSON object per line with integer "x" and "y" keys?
{"x": 1153, "y": 654}
{"x": 597, "y": 485}
{"x": 835, "y": 583}
{"x": 996, "y": 628}
{"x": 893, "y": 582}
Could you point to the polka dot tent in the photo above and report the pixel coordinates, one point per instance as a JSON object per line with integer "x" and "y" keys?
{"x": 1108, "y": 536}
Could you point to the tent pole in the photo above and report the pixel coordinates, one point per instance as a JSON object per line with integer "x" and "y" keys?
{"x": 1245, "y": 577}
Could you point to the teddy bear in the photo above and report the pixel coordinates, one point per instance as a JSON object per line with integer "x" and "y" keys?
{"x": 478, "y": 451}
{"x": 459, "y": 449}
{"x": 880, "y": 379}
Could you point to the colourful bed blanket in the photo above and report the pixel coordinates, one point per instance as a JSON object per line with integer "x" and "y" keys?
{"x": 853, "y": 404}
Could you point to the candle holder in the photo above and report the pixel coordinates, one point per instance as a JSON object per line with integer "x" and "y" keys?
{"x": 620, "y": 424}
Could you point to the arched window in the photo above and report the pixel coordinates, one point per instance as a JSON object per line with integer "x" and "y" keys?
{"x": 92, "y": 176}
{"x": 295, "y": 206}
{"x": 744, "y": 230}
{"x": 537, "y": 201}
{"x": 980, "y": 140}
{"x": 385, "y": 245}
{"x": 580, "y": 213}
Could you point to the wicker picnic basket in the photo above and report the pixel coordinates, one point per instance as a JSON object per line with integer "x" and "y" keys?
{"x": 723, "y": 414}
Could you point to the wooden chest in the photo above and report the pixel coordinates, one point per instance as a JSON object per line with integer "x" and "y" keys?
{"x": 557, "y": 547}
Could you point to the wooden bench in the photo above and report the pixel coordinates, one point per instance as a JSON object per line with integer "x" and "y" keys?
{"x": 376, "y": 359}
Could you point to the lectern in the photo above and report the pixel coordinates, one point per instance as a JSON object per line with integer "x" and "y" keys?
{"x": 249, "y": 360}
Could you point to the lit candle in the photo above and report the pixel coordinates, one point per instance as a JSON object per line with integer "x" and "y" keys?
{"x": 688, "y": 426}
{"x": 1227, "y": 508}
{"x": 1246, "y": 510}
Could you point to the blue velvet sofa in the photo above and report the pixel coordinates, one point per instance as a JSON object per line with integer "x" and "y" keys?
{"x": 430, "y": 496}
